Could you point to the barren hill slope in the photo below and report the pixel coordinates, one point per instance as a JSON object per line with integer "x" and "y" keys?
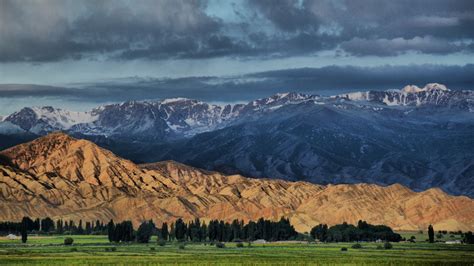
{"x": 60, "y": 176}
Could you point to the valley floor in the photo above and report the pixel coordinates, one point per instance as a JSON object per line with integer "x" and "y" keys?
{"x": 92, "y": 250}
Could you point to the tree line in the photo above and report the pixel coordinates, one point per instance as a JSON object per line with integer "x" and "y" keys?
{"x": 198, "y": 231}
{"x": 48, "y": 225}
{"x": 215, "y": 230}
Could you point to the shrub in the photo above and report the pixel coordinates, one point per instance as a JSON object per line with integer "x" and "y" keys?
{"x": 387, "y": 245}
{"x": 379, "y": 247}
{"x": 152, "y": 249}
{"x": 181, "y": 246}
{"x": 344, "y": 249}
{"x": 68, "y": 241}
{"x": 220, "y": 245}
{"x": 357, "y": 246}
{"x": 162, "y": 243}
{"x": 240, "y": 245}
{"x": 249, "y": 244}
{"x": 73, "y": 249}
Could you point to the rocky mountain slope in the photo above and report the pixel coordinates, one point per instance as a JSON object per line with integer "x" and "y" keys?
{"x": 68, "y": 178}
{"x": 327, "y": 144}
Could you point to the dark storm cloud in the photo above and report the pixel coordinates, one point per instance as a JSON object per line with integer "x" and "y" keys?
{"x": 369, "y": 78}
{"x": 326, "y": 80}
{"x": 53, "y": 30}
{"x": 287, "y": 15}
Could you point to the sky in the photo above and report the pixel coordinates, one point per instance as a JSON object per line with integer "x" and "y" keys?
{"x": 77, "y": 54}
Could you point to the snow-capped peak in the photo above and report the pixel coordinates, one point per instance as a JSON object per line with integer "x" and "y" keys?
{"x": 47, "y": 119}
{"x": 428, "y": 87}
{"x": 282, "y": 95}
{"x": 435, "y": 86}
{"x": 63, "y": 118}
{"x": 411, "y": 89}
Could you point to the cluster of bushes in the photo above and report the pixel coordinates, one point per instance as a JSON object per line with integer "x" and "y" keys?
{"x": 68, "y": 241}
{"x": 386, "y": 245}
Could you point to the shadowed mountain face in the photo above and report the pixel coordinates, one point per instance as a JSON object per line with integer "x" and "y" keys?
{"x": 328, "y": 144}
{"x": 68, "y": 178}
{"x": 419, "y": 137}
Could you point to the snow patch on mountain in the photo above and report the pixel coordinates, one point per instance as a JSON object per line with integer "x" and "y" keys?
{"x": 174, "y": 100}
{"x": 411, "y": 95}
{"x": 357, "y": 96}
{"x": 63, "y": 119}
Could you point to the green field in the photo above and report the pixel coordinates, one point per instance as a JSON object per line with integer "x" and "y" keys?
{"x": 48, "y": 250}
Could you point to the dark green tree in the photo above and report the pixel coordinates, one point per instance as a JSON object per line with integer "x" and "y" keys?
{"x": 145, "y": 231}
{"x": 36, "y": 224}
{"x": 80, "y": 228}
{"x": 180, "y": 230}
{"x": 59, "y": 226}
{"x": 468, "y": 238}
{"x": 431, "y": 233}
{"x": 194, "y": 231}
{"x": 319, "y": 232}
{"x": 251, "y": 231}
{"x": 25, "y": 222}
{"x": 98, "y": 226}
{"x": 127, "y": 233}
{"x": 88, "y": 228}
{"x": 203, "y": 231}
{"x": 111, "y": 231}
{"x": 172, "y": 232}
{"x": 28, "y": 223}
{"x": 164, "y": 232}
{"x": 47, "y": 225}
{"x": 236, "y": 229}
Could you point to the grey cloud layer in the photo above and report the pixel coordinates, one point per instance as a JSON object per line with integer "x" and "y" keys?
{"x": 326, "y": 80}
{"x": 52, "y": 30}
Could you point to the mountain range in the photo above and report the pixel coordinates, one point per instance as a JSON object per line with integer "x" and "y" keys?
{"x": 63, "y": 177}
{"x": 418, "y": 137}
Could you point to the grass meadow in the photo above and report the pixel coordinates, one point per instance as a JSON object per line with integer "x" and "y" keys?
{"x": 48, "y": 250}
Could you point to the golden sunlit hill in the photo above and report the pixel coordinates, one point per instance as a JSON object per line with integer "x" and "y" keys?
{"x": 63, "y": 177}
